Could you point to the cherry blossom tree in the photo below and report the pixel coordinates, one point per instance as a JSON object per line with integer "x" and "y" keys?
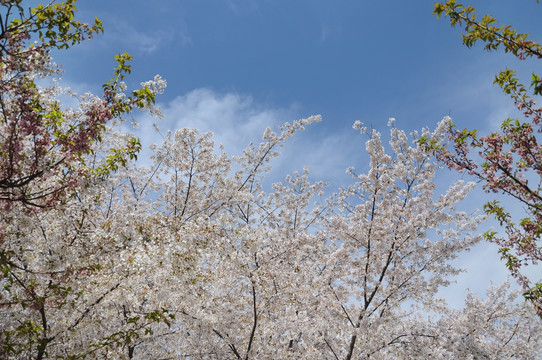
{"x": 47, "y": 157}
{"x": 193, "y": 257}
{"x": 508, "y": 161}
{"x": 238, "y": 272}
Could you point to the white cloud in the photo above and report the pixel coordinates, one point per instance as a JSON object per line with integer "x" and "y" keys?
{"x": 143, "y": 41}
{"x": 330, "y": 30}
{"x": 236, "y": 120}
{"x": 141, "y": 37}
{"x": 324, "y": 33}
{"x": 245, "y": 6}
{"x": 328, "y": 155}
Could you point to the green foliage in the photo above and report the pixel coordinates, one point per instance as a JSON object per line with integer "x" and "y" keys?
{"x": 140, "y": 98}
{"x": 54, "y": 23}
{"x": 486, "y": 30}
{"x": 119, "y": 157}
{"x": 506, "y": 156}
{"x": 493, "y": 208}
{"x": 536, "y": 84}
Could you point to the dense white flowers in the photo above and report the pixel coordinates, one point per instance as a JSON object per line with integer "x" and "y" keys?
{"x": 191, "y": 259}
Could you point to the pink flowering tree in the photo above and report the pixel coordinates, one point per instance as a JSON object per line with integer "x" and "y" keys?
{"x": 43, "y": 148}
{"x": 47, "y": 155}
{"x": 508, "y": 161}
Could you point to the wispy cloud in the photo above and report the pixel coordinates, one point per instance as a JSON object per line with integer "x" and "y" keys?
{"x": 146, "y": 37}
{"x": 239, "y": 7}
{"x": 236, "y": 120}
{"x": 324, "y": 33}
{"x": 144, "y": 41}
{"x": 330, "y": 30}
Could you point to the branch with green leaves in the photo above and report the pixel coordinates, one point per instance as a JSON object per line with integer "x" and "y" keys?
{"x": 508, "y": 161}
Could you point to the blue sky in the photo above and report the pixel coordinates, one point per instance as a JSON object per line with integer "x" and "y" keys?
{"x": 347, "y": 60}
{"x": 237, "y": 66}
